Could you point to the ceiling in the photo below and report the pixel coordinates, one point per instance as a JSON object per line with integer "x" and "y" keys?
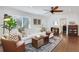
{"x": 42, "y": 9}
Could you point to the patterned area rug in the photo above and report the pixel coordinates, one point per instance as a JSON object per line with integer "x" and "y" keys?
{"x": 53, "y": 42}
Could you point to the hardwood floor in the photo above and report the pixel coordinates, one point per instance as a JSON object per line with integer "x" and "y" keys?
{"x": 68, "y": 44}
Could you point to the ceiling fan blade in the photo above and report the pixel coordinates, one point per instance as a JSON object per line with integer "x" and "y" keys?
{"x": 57, "y": 10}
{"x": 46, "y": 12}
{"x": 56, "y": 7}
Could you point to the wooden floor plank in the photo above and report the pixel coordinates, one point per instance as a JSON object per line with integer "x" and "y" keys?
{"x": 68, "y": 44}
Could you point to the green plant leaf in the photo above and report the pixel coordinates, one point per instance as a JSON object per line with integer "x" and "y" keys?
{"x": 10, "y": 24}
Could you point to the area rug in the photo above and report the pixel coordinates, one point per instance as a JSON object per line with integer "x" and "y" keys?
{"x": 53, "y": 42}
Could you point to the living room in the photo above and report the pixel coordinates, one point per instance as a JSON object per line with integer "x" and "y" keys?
{"x": 34, "y": 21}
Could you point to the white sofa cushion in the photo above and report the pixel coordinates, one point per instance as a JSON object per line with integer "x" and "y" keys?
{"x": 28, "y": 39}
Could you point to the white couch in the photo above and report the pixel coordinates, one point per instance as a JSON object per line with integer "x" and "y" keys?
{"x": 28, "y": 39}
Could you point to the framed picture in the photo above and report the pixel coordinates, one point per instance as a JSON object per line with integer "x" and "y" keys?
{"x": 37, "y": 22}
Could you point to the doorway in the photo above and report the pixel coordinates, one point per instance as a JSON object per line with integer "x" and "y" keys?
{"x": 64, "y": 29}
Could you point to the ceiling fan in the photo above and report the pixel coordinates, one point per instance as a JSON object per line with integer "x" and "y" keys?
{"x": 55, "y": 9}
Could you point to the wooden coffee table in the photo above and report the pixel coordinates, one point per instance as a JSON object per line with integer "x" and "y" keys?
{"x": 37, "y": 42}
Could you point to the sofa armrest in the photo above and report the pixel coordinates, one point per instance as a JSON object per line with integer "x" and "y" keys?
{"x": 51, "y": 35}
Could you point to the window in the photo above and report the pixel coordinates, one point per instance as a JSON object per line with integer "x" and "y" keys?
{"x": 35, "y": 21}
{"x": 22, "y": 22}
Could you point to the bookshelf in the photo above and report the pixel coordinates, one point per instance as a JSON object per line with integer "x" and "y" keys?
{"x": 72, "y": 30}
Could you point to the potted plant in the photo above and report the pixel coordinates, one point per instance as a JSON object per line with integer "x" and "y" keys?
{"x": 10, "y": 23}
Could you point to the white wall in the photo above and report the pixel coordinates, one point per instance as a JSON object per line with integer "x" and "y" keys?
{"x": 66, "y": 17}
{"x": 47, "y": 21}
{"x": 17, "y": 13}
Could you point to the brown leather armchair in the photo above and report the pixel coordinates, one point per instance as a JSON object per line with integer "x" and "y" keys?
{"x": 12, "y": 46}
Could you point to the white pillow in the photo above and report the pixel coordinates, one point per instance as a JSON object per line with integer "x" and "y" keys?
{"x": 37, "y": 35}
{"x": 2, "y": 37}
{"x": 19, "y": 43}
{"x": 14, "y": 37}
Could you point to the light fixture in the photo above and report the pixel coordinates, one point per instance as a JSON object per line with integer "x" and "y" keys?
{"x": 56, "y": 23}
